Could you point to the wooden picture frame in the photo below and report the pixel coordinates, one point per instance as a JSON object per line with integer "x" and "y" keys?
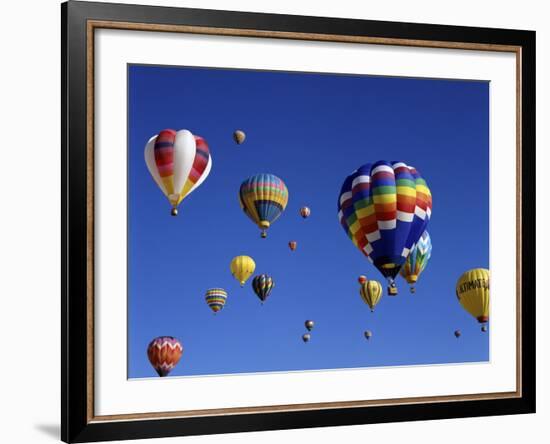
{"x": 79, "y": 22}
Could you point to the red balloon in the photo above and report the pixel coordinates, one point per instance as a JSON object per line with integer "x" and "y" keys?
{"x": 362, "y": 279}
{"x": 164, "y": 353}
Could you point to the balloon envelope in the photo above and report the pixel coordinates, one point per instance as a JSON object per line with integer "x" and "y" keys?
{"x": 309, "y": 325}
{"x": 371, "y": 293}
{"x": 262, "y": 286}
{"x": 472, "y": 291}
{"x": 179, "y": 162}
{"x": 242, "y": 268}
{"x": 292, "y": 245}
{"x": 384, "y": 208}
{"x": 164, "y": 353}
{"x": 306, "y": 337}
{"x": 305, "y": 212}
{"x": 417, "y": 260}
{"x": 368, "y": 334}
{"x": 216, "y": 298}
{"x": 239, "y": 136}
{"x": 263, "y": 198}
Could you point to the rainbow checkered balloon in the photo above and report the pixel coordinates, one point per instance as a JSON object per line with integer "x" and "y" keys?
{"x": 384, "y": 208}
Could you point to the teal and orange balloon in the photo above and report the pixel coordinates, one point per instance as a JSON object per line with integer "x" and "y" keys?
{"x": 164, "y": 353}
{"x": 417, "y": 260}
{"x": 216, "y": 298}
{"x": 263, "y": 198}
{"x": 262, "y": 286}
{"x": 384, "y": 208}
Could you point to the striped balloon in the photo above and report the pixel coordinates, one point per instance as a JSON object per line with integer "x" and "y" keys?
{"x": 384, "y": 208}
{"x": 216, "y": 298}
{"x": 164, "y": 353}
{"x": 371, "y": 293}
{"x": 263, "y": 198}
{"x": 262, "y": 286}
{"x": 417, "y": 260}
{"x": 179, "y": 163}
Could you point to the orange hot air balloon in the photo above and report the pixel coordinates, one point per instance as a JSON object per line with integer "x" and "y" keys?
{"x": 292, "y": 245}
{"x": 362, "y": 279}
{"x": 164, "y": 353}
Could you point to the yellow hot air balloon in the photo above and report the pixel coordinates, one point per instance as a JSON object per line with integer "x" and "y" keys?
{"x": 242, "y": 268}
{"x": 371, "y": 293}
{"x": 472, "y": 291}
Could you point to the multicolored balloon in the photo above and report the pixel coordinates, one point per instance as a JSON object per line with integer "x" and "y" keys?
{"x": 263, "y": 198}
{"x": 262, "y": 286}
{"x": 242, "y": 268}
{"x": 384, "y": 208}
{"x": 371, "y": 293}
{"x": 164, "y": 353}
{"x": 305, "y": 212}
{"x": 306, "y": 337}
{"x": 309, "y": 325}
{"x": 292, "y": 245}
{"x": 179, "y": 163}
{"x": 239, "y": 136}
{"x": 216, "y": 298}
{"x": 368, "y": 335}
{"x": 472, "y": 291}
{"x": 417, "y": 260}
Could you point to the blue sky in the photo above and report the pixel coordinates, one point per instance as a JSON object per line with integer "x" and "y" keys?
{"x": 311, "y": 130}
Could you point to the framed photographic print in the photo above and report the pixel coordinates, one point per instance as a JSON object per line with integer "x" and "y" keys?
{"x": 276, "y": 221}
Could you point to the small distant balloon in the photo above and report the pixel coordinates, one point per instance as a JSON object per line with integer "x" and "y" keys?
{"x": 368, "y": 335}
{"x": 483, "y": 328}
{"x": 216, "y": 298}
{"x": 362, "y": 279}
{"x": 239, "y": 136}
{"x": 292, "y": 245}
{"x": 305, "y": 212}
{"x": 306, "y": 337}
{"x": 164, "y": 353}
{"x": 309, "y": 325}
{"x": 457, "y": 333}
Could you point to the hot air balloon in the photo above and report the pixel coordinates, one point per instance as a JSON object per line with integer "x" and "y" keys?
{"x": 263, "y": 198}
{"x": 306, "y": 337}
{"x": 472, "y": 291}
{"x": 417, "y": 260}
{"x": 368, "y": 335}
{"x": 305, "y": 212}
{"x": 239, "y": 136}
{"x": 164, "y": 353}
{"x": 242, "y": 268}
{"x": 179, "y": 163}
{"x": 371, "y": 293}
{"x": 216, "y": 298}
{"x": 483, "y": 328}
{"x": 362, "y": 279}
{"x": 262, "y": 286}
{"x": 309, "y": 325}
{"x": 292, "y": 245}
{"x": 457, "y": 334}
{"x": 384, "y": 208}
